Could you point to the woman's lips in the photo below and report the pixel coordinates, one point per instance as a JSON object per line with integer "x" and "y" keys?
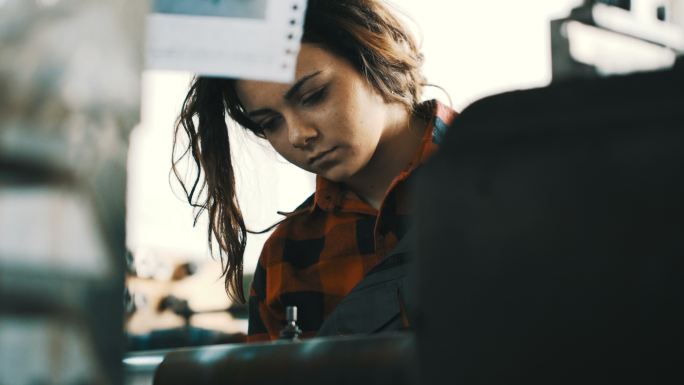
{"x": 321, "y": 157}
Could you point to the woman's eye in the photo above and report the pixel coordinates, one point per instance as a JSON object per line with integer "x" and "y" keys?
{"x": 270, "y": 124}
{"x": 314, "y": 97}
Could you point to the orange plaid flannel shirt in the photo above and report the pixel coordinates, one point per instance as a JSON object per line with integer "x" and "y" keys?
{"x": 321, "y": 251}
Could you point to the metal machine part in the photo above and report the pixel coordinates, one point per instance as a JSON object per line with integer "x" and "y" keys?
{"x": 291, "y": 331}
{"x": 607, "y": 37}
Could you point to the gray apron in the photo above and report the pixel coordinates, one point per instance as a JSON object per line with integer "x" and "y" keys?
{"x": 377, "y": 303}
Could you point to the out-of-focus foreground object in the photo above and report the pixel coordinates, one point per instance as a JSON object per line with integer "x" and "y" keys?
{"x": 378, "y": 360}
{"x": 550, "y": 242}
{"x": 610, "y": 37}
{"x": 69, "y": 95}
{"x": 253, "y": 39}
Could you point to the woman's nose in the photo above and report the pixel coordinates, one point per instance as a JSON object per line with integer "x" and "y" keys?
{"x": 301, "y": 133}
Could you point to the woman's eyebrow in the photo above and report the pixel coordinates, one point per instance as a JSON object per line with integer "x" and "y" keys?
{"x": 297, "y": 86}
{"x": 288, "y": 95}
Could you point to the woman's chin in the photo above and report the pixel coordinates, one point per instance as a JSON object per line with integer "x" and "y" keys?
{"x": 344, "y": 171}
{"x": 337, "y": 174}
{"x": 333, "y": 176}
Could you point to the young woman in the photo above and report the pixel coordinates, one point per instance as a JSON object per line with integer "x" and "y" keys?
{"x": 353, "y": 117}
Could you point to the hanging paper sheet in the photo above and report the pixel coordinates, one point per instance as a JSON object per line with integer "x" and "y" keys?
{"x": 246, "y": 39}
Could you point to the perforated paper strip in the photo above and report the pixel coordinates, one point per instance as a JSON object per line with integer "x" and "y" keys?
{"x": 246, "y": 39}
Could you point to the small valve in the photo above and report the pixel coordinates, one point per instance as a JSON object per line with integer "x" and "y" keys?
{"x": 291, "y": 331}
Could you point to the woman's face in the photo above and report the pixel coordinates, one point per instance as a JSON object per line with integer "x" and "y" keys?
{"x": 329, "y": 121}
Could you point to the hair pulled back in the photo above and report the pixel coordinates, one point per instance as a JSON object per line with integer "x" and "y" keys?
{"x": 364, "y": 32}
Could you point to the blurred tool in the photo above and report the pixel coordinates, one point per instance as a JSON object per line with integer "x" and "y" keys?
{"x": 133, "y": 300}
{"x": 183, "y": 271}
{"x": 160, "y": 312}
{"x": 609, "y": 37}
{"x": 181, "y": 307}
{"x": 186, "y": 335}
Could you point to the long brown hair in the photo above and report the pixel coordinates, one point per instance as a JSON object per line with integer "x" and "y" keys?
{"x": 364, "y": 32}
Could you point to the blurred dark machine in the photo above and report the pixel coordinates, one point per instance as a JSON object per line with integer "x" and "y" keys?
{"x": 550, "y": 237}
{"x": 382, "y": 360}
